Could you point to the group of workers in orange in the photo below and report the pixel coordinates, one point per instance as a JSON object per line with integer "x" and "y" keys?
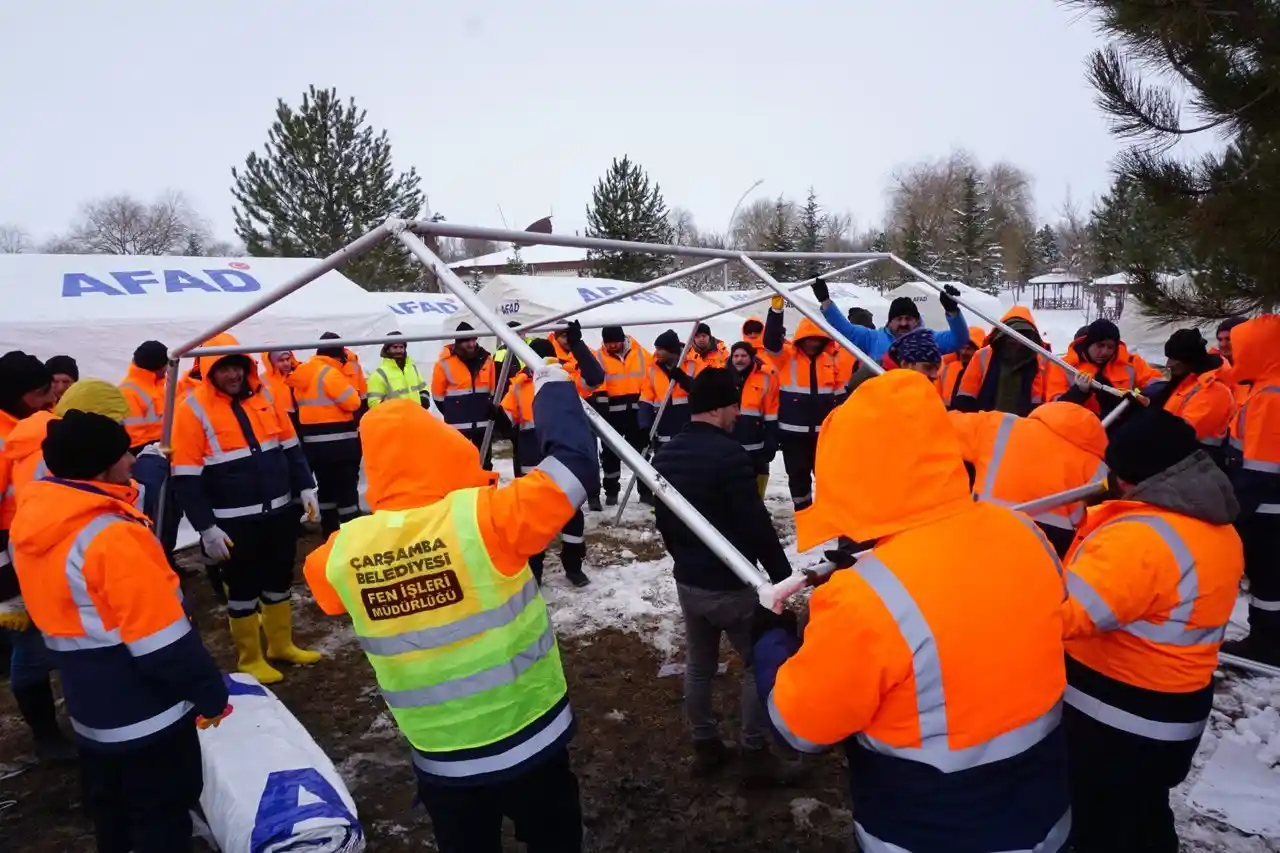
{"x": 1056, "y": 692}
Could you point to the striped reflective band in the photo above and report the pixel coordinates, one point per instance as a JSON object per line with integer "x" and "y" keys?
{"x": 565, "y": 479}
{"x": 96, "y": 634}
{"x": 1237, "y": 439}
{"x": 1049, "y": 550}
{"x": 134, "y": 731}
{"x": 527, "y": 425}
{"x": 931, "y": 704}
{"x": 798, "y": 743}
{"x": 330, "y": 436}
{"x": 216, "y": 455}
{"x": 443, "y": 635}
{"x": 149, "y": 414}
{"x": 1259, "y": 604}
{"x": 621, "y": 407}
{"x": 997, "y": 456}
{"x": 570, "y": 539}
{"x": 322, "y": 397}
{"x": 1260, "y": 465}
{"x": 468, "y": 424}
{"x": 752, "y": 447}
{"x": 1172, "y": 631}
{"x": 752, "y": 412}
{"x": 1126, "y": 721}
{"x": 503, "y": 760}
{"x": 486, "y": 679}
{"x": 1054, "y": 841}
{"x": 253, "y": 509}
{"x": 785, "y": 427}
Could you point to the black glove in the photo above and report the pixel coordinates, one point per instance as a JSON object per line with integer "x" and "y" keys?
{"x": 425, "y": 400}
{"x": 820, "y": 291}
{"x": 946, "y": 297}
{"x": 843, "y": 558}
{"x": 764, "y": 620}
{"x": 573, "y": 331}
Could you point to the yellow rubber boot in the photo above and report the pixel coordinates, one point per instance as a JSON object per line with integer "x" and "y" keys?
{"x": 249, "y": 660}
{"x": 277, "y": 624}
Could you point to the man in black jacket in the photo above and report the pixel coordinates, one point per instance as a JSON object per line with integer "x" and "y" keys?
{"x": 716, "y": 475}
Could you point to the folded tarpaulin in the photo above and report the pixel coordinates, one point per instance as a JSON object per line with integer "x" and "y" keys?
{"x": 268, "y": 787}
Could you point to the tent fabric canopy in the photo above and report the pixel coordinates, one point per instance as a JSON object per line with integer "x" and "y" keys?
{"x": 98, "y": 308}
{"x": 421, "y": 314}
{"x": 931, "y": 313}
{"x": 845, "y": 295}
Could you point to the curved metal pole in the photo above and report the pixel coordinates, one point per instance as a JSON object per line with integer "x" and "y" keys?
{"x": 664, "y": 491}
{"x": 657, "y": 419}
{"x": 166, "y": 439}
{"x": 498, "y": 392}
{"x": 1002, "y": 326}
{"x": 791, "y": 288}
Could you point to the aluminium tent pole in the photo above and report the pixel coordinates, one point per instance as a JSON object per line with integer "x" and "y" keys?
{"x": 664, "y": 491}
{"x": 657, "y": 419}
{"x": 1228, "y": 659}
{"x": 166, "y": 439}
{"x": 388, "y": 338}
{"x": 1002, "y": 326}
{"x": 498, "y": 392}
{"x": 766, "y": 295}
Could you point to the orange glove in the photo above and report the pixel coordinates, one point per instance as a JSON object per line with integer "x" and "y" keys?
{"x": 203, "y": 723}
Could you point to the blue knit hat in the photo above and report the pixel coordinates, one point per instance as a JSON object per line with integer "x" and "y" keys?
{"x": 916, "y": 347}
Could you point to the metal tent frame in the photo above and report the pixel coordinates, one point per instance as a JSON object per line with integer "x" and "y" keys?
{"x": 408, "y": 231}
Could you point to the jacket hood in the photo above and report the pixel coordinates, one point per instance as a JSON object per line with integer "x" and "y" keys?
{"x": 1020, "y": 320}
{"x": 809, "y": 329}
{"x": 399, "y": 480}
{"x": 206, "y": 362}
{"x": 268, "y": 370}
{"x": 1255, "y": 347}
{"x": 1074, "y": 424}
{"x": 753, "y": 319}
{"x": 922, "y": 480}
{"x": 143, "y": 378}
{"x": 1194, "y": 487}
{"x": 26, "y": 437}
{"x": 58, "y": 510}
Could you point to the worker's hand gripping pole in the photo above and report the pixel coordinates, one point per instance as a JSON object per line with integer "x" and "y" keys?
{"x": 657, "y": 419}
{"x": 812, "y": 314}
{"x": 499, "y": 389}
{"x": 662, "y": 490}
{"x": 1004, "y": 327}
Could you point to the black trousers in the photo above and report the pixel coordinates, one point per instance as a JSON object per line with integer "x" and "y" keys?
{"x": 139, "y": 800}
{"x": 798, "y": 453}
{"x": 572, "y": 548}
{"x": 1260, "y": 535}
{"x": 261, "y": 564}
{"x": 610, "y": 464}
{"x": 1120, "y": 787}
{"x": 542, "y": 803}
{"x": 476, "y": 437}
{"x": 338, "y": 482}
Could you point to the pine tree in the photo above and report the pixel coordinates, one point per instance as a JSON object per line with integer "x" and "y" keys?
{"x": 1048, "y": 255}
{"x": 626, "y": 206}
{"x": 515, "y": 264}
{"x": 781, "y": 237}
{"x": 913, "y": 248}
{"x": 195, "y": 247}
{"x": 325, "y": 179}
{"x": 1218, "y": 208}
{"x": 809, "y": 231}
{"x": 973, "y": 254}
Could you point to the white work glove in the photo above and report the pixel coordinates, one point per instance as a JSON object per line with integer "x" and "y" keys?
{"x": 310, "y": 504}
{"x": 1084, "y": 382}
{"x": 217, "y": 545}
{"x": 552, "y": 371}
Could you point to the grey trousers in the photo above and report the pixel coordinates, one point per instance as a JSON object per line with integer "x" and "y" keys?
{"x": 708, "y": 614}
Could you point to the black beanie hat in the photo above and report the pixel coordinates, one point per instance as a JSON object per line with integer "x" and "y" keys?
{"x": 64, "y": 364}
{"x": 337, "y": 353}
{"x": 613, "y": 335}
{"x": 543, "y": 347}
{"x": 1230, "y": 323}
{"x": 1151, "y": 441}
{"x": 20, "y": 374}
{"x": 668, "y": 341}
{"x": 151, "y": 355}
{"x": 745, "y": 347}
{"x": 1101, "y": 330}
{"x": 703, "y": 329}
{"x": 82, "y": 445}
{"x": 1187, "y": 346}
{"x": 1080, "y": 333}
{"x": 753, "y": 327}
{"x": 862, "y": 317}
{"x": 383, "y": 352}
{"x": 713, "y": 389}
{"x": 903, "y": 306}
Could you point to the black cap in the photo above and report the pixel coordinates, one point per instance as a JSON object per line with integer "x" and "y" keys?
{"x": 703, "y": 329}
{"x": 82, "y": 445}
{"x": 151, "y": 355}
{"x": 65, "y": 365}
{"x": 753, "y": 327}
{"x": 383, "y": 353}
{"x": 332, "y": 352}
{"x": 668, "y": 341}
{"x": 1188, "y": 347}
{"x": 1101, "y": 330}
{"x": 613, "y": 335}
{"x": 1149, "y": 442}
{"x": 543, "y": 347}
{"x": 1230, "y": 323}
{"x": 903, "y": 306}
{"x": 20, "y": 374}
{"x": 713, "y": 388}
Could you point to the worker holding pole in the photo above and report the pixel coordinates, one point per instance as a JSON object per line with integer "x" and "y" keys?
{"x": 626, "y": 364}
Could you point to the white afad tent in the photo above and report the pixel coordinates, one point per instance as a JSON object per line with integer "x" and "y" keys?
{"x": 931, "y": 313}
{"x": 525, "y": 299}
{"x": 421, "y": 314}
{"x": 98, "y": 308}
{"x": 844, "y": 295}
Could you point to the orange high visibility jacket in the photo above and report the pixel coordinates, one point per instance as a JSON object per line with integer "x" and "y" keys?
{"x": 234, "y": 459}
{"x": 716, "y": 356}
{"x": 1126, "y": 372}
{"x": 937, "y": 688}
{"x": 1150, "y": 590}
{"x": 145, "y": 395}
{"x": 98, "y": 586}
{"x": 23, "y": 451}
{"x": 757, "y": 424}
{"x": 188, "y": 383}
{"x": 1206, "y": 402}
{"x": 327, "y": 402}
{"x": 810, "y": 387}
{"x": 1059, "y": 446}
{"x": 952, "y": 369}
{"x": 8, "y": 506}
{"x": 1254, "y": 443}
{"x": 355, "y": 374}
{"x": 653, "y": 390}
{"x": 623, "y": 377}
{"x": 569, "y": 362}
{"x": 278, "y": 383}
{"x": 978, "y": 387}
{"x": 463, "y": 398}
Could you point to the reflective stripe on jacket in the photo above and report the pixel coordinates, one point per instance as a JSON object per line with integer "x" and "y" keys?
{"x": 145, "y": 395}
{"x": 757, "y": 424}
{"x": 391, "y": 382}
{"x": 462, "y": 397}
{"x": 1206, "y": 402}
{"x": 653, "y": 390}
{"x": 1126, "y": 372}
{"x": 809, "y": 387}
{"x": 355, "y": 374}
{"x": 623, "y": 377}
{"x": 327, "y": 402}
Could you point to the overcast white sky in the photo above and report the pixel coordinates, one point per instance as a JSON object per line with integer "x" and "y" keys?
{"x": 523, "y": 104}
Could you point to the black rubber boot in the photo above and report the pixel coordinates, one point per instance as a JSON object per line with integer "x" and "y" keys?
{"x": 571, "y": 555}
{"x": 329, "y": 521}
{"x": 35, "y": 703}
{"x": 593, "y": 503}
{"x": 535, "y": 566}
{"x": 611, "y": 499}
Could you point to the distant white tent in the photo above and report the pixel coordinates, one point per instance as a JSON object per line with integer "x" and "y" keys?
{"x": 423, "y": 314}
{"x": 845, "y": 295}
{"x": 931, "y": 313}
{"x": 525, "y": 299}
{"x": 98, "y": 308}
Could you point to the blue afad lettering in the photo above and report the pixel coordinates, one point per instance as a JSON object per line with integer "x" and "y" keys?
{"x": 589, "y": 295}
{"x": 281, "y": 808}
{"x": 424, "y": 307}
{"x": 140, "y": 282}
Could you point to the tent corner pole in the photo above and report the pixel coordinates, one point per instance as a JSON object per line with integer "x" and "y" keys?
{"x": 499, "y": 391}
{"x": 166, "y": 441}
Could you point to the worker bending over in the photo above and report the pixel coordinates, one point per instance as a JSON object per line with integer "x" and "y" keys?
{"x": 1006, "y": 375}
{"x": 437, "y": 584}
{"x": 625, "y": 363}
{"x": 937, "y": 659}
{"x": 328, "y": 406}
{"x": 518, "y": 408}
{"x": 135, "y": 675}
{"x": 1151, "y": 584}
{"x": 1196, "y": 391}
{"x": 1060, "y": 446}
{"x": 240, "y": 476}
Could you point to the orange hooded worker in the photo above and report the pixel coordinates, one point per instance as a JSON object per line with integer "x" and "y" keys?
{"x": 1060, "y": 446}
{"x": 1151, "y": 583}
{"x": 1005, "y": 375}
{"x": 936, "y": 660}
{"x": 277, "y": 366}
{"x": 953, "y": 365}
{"x": 438, "y": 587}
{"x": 1101, "y": 356}
{"x": 1253, "y": 463}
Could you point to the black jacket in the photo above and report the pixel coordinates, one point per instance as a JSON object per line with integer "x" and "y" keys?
{"x": 710, "y": 468}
